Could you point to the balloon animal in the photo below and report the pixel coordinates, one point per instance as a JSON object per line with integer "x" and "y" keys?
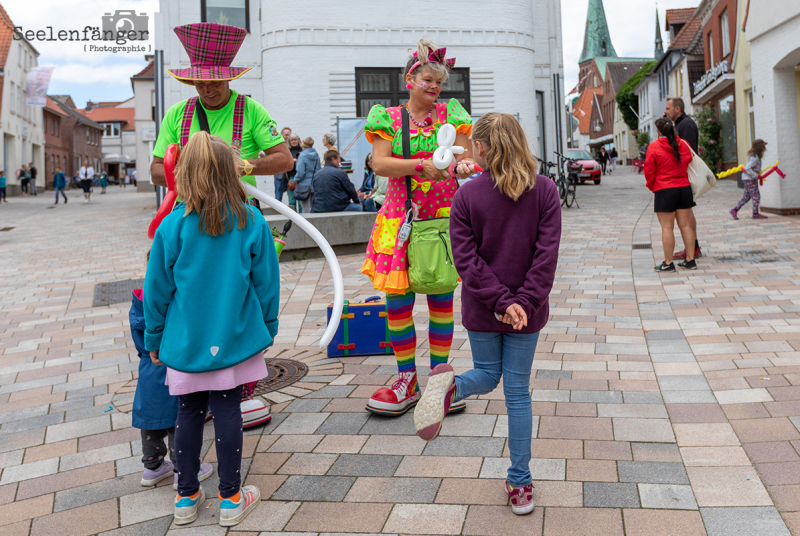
{"x": 171, "y": 158}
{"x": 445, "y": 154}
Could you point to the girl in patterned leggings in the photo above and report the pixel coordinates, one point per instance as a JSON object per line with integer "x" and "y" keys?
{"x": 750, "y": 179}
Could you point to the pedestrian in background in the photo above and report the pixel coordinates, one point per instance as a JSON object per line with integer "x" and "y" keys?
{"x": 329, "y": 142}
{"x": 59, "y": 183}
{"x": 665, "y": 171}
{"x": 86, "y": 174}
{"x": 103, "y": 182}
{"x": 613, "y": 155}
{"x": 687, "y": 130}
{"x": 281, "y": 179}
{"x": 750, "y": 179}
{"x": 24, "y": 179}
{"x": 307, "y": 165}
{"x": 507, "y": 278}
{"x": 34, "y": 173}
{"x": 333, "y": 191}
{"x": 3, "y": 187}
{"x": 603, "y": 159}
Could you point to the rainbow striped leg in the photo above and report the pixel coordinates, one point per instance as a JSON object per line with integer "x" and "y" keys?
{"x": 440, "y": 331}
{"x": 401, "y": 329}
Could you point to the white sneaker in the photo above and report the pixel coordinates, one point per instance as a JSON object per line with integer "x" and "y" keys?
{"x": 186, "y": 507}
{"x": 232, "y": 513}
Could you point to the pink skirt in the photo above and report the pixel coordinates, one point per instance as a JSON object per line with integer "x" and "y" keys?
{"x": 182, "y": 383}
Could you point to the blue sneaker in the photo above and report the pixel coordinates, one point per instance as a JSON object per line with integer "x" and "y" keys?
{"x": 186, "y": 507}
{"x": 233, "y": 510}
{"x": 206, "y": 470}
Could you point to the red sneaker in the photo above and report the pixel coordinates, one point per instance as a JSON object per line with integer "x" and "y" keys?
{"x": 682, "y": 254}
{"x": 757, "y": 216}
{"x": 521, "y": 499}
{"x": 394, "y": 401}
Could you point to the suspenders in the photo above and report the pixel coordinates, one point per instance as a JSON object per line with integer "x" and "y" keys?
{"x": 188, "y": 114}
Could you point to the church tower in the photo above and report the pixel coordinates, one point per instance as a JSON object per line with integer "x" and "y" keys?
{"x": 597, "y": 39}
{"x": 659, "y": 41}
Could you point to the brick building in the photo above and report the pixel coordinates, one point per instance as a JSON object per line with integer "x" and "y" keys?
{"x": 56, "y": 141}
{"x": 84, "y": 137}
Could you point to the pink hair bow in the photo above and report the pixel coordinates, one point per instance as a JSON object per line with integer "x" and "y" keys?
{"x": 437, "y": 56}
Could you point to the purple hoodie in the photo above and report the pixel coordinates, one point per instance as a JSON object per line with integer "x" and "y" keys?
{"x": 505, "y": 252}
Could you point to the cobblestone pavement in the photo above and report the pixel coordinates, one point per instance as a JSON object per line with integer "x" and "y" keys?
{"x": 664, "y": 403}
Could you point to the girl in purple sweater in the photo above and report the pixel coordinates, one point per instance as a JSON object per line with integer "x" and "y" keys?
{"x": 505, "y": 227}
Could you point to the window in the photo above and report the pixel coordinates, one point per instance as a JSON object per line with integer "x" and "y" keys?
{"x": 540, "y": 113}
{"x": 387, "y": 87}
{"x": 19, "y": 55}
{"x": 77, "y": 162}
{"x": 13, "y": 98}
{"x": 111, "y": 130}
{"x": 724, "y": 31}
{"x": 57, "y": 124}
{"x": 232, "y": 12}
{"x": 96, "y": 165}
{"x": 727, "y": 117}
{"x": 88, "y": 135}
{"x": 710, "y": 49}
{"x": 752, "y": 113}
{"x": 679, "y": 81}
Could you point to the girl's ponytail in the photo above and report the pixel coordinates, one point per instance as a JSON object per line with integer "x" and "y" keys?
{"x": 666, "y": 127}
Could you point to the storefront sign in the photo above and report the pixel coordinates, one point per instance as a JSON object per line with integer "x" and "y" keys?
{"x": 148, "y": 134}
{"x": 711, "y": 75}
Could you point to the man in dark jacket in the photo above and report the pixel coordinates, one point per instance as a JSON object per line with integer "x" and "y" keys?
{"x": 333, "y": 191}
{"x": 687, "y": 130}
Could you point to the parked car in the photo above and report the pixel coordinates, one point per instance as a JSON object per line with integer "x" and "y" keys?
{"x": 590, "y": 168}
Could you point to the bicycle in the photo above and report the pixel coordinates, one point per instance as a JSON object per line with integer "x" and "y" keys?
{"x": 567, "y": 181}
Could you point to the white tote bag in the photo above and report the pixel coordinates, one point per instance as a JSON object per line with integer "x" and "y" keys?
{"x": 701, "y": 177}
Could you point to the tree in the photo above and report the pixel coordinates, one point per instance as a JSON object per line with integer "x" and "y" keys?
{"x": 710, "y": 142}
{"x": 626, "y": 99}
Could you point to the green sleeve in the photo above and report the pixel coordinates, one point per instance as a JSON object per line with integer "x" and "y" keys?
{"x": 265, "y": 129}
{"x": 379, "y": 122}
{"x": 457, "y": 115}
{"x": 170, "y": 129}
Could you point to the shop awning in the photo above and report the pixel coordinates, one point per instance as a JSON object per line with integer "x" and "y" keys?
{"x": 601, "y": 141}
{"x": 115, "y": 158}
{"x": 716, "y": 87}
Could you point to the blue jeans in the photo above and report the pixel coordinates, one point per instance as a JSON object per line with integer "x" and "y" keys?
{"x": 510, "y": 356}
{"x": 279, "y": 189}
{"x": 62, "y": 193}
{"x": 225, "y": 406}
{"x": 354, "y": 207}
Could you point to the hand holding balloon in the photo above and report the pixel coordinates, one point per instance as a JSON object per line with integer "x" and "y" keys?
{"x": 445, "y": 154}
{"x": 170, "y": 160}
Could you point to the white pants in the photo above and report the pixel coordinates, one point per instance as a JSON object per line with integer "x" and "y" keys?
{"x": 613, "y": 163}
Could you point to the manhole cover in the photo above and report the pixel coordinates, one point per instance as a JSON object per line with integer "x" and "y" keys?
{"x": 115, "y": 292}
{"x": 757, "y": 256}
{"x": 280, "y": 373}
{"x": 642, "y": 246}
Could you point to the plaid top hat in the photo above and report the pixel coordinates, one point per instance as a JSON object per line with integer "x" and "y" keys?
{"x": 211, "y": 48}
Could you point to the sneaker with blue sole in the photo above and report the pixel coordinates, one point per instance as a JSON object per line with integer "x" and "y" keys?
{"x": 186, "y": 507}
{"x": 233, "y": 510}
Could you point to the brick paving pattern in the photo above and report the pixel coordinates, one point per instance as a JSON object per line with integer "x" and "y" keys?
{"x": 663, "y": 403}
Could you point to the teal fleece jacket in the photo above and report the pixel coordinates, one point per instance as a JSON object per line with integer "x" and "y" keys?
{"x": 210, "y": 302}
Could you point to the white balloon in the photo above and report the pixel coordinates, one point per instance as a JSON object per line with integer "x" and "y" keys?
{"x": 330, "y": 256}
{"x": 445, "y": 153}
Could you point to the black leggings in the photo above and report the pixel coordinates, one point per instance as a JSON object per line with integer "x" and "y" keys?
{"x": 226, "y": 408}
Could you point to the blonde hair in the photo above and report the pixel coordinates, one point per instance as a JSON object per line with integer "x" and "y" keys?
{"x": 424, "y": 48}
{"x": 510, "y": 161}
{"x": 207, "y": 180}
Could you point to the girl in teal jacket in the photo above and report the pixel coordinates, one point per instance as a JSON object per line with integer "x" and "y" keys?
{"x": 211, "y": 298}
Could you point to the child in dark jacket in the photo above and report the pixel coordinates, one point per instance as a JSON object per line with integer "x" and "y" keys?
{"x": 154, "y": 410}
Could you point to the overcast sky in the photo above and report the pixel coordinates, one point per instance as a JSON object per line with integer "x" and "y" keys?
{"x": 106, "y": 76}
{"x": 631, "y": 22}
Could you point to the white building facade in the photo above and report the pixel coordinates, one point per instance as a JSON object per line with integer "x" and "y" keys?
{"x": 649, "y": 102}
{"x": 21, "y": 125}
{"x": 324, "y": 61}
{"x": 775, "y": 63}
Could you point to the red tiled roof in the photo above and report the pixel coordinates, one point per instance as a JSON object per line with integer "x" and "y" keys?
{"x": 51, "y": 106}
{"x": 6, "y": 34}
{"x": 686, "y": 35}
{"x": 584, "y": 103}
{"x": 147, "y": 72}
{"x": 679, "y": 16}
{"x": 107, "y": 115}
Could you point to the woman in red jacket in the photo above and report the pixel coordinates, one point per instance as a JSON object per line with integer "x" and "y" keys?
{"x": 665, "y": 168}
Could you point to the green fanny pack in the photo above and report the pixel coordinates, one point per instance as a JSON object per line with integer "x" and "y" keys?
{"x": 430, "y": 257}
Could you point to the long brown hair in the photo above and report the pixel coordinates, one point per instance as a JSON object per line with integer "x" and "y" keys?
{"x": 510, "y": 161}
{"x": 666, "y": 128}
{"x": 758, "y": 148}
{"x": 208, "y": 182}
